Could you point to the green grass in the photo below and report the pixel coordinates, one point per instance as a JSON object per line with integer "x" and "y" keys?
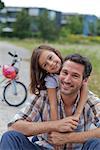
{"x": 91, "y": 50}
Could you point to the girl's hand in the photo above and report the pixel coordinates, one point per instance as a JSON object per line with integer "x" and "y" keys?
{"x": 67, "y": 124}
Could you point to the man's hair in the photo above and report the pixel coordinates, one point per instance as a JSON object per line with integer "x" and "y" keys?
{"x": 77, "y": 58}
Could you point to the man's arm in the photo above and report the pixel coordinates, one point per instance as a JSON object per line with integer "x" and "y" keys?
{"x": 35, "y": 128}
{"x": 74, "y": 137}
{"x": 32, "y": 128}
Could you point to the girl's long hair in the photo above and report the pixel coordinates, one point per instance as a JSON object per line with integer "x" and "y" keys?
{"x": 37, "y": 74}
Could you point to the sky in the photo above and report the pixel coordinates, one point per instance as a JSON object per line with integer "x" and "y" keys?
{"x": 68, "y": 6}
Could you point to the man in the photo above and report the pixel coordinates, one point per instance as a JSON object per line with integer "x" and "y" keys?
{"x": 34, "y": 118}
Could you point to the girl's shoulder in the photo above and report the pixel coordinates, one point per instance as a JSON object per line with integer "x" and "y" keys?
{"x": 55, "y": 76}
{"x": 51, "y": 81}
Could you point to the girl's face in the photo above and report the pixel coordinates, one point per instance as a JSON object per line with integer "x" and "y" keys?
{"x": 49, "y": 61}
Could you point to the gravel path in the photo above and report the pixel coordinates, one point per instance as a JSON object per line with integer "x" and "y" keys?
{"x": 6, "y": 111}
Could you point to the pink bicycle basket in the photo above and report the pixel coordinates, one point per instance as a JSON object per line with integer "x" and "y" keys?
{"x": 9, "y": 71}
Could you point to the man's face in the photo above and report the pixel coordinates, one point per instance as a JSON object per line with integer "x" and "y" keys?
{"x": 71, "y": 77}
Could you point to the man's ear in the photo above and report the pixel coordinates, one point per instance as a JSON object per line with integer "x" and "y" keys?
{"x": 85, "y": 80}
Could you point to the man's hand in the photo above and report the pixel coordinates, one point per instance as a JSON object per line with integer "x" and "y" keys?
{"x": 73, "y": 137}
{"x": 67, "y": 124}
{"x": 57, "y": 138}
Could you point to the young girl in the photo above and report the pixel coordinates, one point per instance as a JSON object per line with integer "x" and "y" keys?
{"x": 45, "y": 66}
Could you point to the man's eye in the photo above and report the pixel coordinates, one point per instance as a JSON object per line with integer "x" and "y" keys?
{"x": 64, "y": 72}
{"x": 75, "y": 76}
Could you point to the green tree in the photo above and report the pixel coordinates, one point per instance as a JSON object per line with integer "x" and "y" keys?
{"x": 75, "y": 24}
{"x": 98, "y": 27}
{"x": 47, "y": 27}
{"x": 1, "y": 5}
{"x": 22, "y": 26}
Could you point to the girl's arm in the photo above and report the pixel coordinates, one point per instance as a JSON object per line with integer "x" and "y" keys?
{"x": 52, "y": 94}
{"x": 82, "y": 101}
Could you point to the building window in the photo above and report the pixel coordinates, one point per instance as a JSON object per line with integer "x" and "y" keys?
{"x": 52, "y": 15}
{"x": 33, "y": 11}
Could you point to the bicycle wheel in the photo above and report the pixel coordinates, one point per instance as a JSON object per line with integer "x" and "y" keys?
{"x": 15, "y": 99}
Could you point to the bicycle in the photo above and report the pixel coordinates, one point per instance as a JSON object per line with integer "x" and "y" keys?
{"x": 14, "y": 91}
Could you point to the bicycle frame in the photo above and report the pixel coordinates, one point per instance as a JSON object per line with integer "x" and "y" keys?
{"x": 14, "y": 88}
{"x": 10, "y": 84}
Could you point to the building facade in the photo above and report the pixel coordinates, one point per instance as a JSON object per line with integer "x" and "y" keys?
{"x": 8, "y": 16}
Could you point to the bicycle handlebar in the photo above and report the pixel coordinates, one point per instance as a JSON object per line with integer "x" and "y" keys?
{"x": 12, "y": 54}
{"x": 15, "y": 58}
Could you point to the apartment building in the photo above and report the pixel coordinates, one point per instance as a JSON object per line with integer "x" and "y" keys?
{"x": 8, "y": 16}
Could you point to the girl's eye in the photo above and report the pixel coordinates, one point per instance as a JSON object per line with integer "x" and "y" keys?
{"x": 44, "y": 66}
{"x": 50, "y": 57}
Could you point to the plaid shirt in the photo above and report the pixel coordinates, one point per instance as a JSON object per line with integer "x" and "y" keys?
{"x": 38, "y": 109}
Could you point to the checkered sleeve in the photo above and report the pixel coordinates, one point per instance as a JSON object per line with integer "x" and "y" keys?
{"x": 30, "y": 111}
{"x": 94, "y": 102}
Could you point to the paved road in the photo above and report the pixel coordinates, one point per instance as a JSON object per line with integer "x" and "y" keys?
{"x": 7, "y": 112}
